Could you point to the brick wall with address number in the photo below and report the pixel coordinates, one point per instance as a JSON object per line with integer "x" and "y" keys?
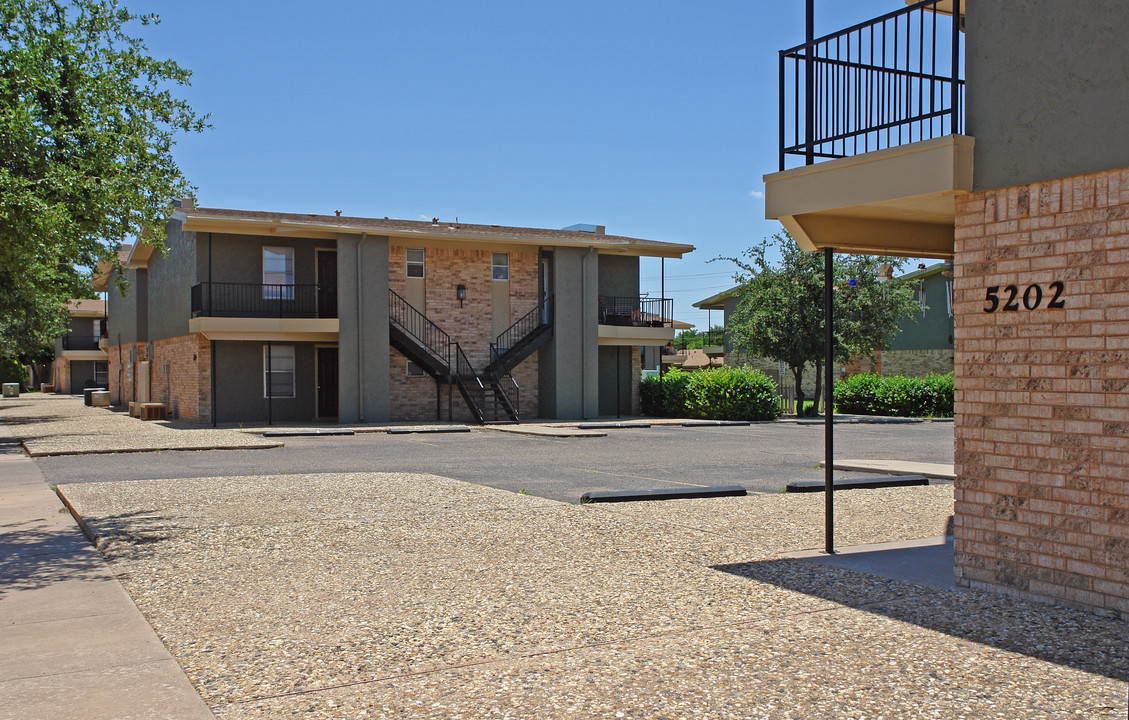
{"x": 1042, "y": 390}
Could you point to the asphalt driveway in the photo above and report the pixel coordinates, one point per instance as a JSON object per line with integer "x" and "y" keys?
{"x": 762, "y": 457}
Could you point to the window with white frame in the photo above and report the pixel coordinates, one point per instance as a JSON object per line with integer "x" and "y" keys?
{"x": 413, "y": 265}
{"x": 278, "y": 371}
{"x": 500, "y": 266}
{"x": 413, "y": 370}
{"x": 278, "y": 273}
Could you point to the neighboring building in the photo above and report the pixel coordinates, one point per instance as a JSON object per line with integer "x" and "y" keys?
{"x": 80, "y": 356}
{"x": 261, "y": 316}
{"x": 1038, "y": 233}
{"x": 924, "y": 341}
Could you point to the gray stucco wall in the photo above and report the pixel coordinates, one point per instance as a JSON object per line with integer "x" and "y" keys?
{"x": 569, "y": 363}
{"x": 239, "y": 258}
{"x": 619, "y": 276}
{"x": 1047, "y": 89}
{"x": 171, "y": 277}
{"x": 363, "y": 389}
{"x": 127, "y": 317}
{"x": 239, "y": 384}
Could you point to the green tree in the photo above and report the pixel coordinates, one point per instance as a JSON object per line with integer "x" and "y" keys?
{"x": 780, "y": 311}
{"x": 87, "y": 126}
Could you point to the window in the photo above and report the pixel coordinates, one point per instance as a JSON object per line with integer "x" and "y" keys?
{"x": 278, "y": 371}
{"x": 414, "y": 371}
{"x": 278, "y": 273}
{"x": 414, "y": 263}
{"x": 500, "y": 266}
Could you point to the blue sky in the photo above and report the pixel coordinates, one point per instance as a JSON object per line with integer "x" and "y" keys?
{"x": 656, "y": 119}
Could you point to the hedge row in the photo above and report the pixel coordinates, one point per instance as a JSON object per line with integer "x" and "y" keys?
{"x": 869, "y": 394}
{"x": 719, "y": 394}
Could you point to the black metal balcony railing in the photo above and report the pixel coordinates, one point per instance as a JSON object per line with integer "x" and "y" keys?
{"x": 76, "y": 341}
{"x": 257, "y": 300}
{"x": 636, "y": 311}
{"x": 893, "y": 80}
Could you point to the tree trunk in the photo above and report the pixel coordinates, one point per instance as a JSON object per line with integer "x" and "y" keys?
{"x": 798, "y": 376}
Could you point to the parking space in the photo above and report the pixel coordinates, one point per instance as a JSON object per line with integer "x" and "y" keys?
{"x": 761, "y": 457}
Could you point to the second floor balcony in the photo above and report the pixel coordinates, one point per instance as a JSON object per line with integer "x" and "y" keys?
{"x": 261, "y": 300}
{"x": 81, "y": 342}
{"x": 871, "y": 145}
{"x": 635, "y": 320}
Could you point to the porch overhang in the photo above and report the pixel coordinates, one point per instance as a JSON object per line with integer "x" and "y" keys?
{"x": 896, "y": 201}
{"x": 630, "y": 335}
{"x": 266, "y": 329}
{"x": 79, "y": 355}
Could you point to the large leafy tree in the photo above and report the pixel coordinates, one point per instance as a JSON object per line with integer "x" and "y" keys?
{"x": 780, "y": 311}
{"x": 87, "y": 126}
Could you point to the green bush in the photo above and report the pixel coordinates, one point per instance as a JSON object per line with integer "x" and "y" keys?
{"x": 665, "y": 397}
{"x": 12, "y": 372}
{"x": 718, "y": 394}
{"x": 732, "y": 394}
{"x": 868, "y": 394}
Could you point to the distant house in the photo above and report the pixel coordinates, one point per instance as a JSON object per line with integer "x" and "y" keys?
{"x": 265, "y": 316}
{"x": 80, "y": 358}
{"x": 922, "y": 345}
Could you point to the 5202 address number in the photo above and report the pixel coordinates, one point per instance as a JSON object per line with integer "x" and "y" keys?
{"x": 1031, "y": 298}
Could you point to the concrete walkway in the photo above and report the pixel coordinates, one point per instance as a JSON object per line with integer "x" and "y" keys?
{"x": 74, "y": 644}
{"x": 938, "y": 471}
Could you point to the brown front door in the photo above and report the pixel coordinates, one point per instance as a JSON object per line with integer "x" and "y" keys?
{"x": 327, "y": 284}
{"x": 327, "y": 382}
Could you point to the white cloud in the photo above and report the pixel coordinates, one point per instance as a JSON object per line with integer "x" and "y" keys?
{"x": 756, "y": 194}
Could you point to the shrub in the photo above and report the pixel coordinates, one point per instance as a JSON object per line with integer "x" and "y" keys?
{"x": 930, "y": 396}
{"x": 666, "y": 397}
{"x": 732, "y": 394}
{"x": 12, "y": 372}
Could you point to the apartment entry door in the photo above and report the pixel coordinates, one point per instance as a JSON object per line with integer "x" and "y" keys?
{"x": 327, "y": 382}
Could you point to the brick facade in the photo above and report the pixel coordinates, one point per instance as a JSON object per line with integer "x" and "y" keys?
{"x": 1042, "y": 408}
{"x": 469, "y": 323}
{"x": 917, "y": 363}
{"x": 185, "y": 388}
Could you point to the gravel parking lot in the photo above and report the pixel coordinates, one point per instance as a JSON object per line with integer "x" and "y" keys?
{"x": 368, "y": 595}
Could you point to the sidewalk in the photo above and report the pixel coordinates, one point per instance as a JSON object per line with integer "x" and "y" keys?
{"x": 75, "y": 645}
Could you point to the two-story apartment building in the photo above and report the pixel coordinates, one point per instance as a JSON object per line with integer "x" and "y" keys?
{"x": 80, "y": 358}
{"x": 262, "y": 316}
{"x": 994, "y": 134}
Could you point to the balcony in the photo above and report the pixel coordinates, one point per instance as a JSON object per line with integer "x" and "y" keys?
{"x": 261, "y": 312}
{"x": 256, "y": 300}
{"x": 79, "y": 342}
{"x": 635, "y": 320}
{"x": 873, "y": 115}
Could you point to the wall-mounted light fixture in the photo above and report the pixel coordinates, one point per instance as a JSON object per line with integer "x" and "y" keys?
{"x": 460, "y": 293}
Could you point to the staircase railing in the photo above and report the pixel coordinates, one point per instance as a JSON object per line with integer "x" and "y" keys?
{"x": 469, "y": 383}
{"x": 426, "y": 333}
{"x": 522, "y": 327}
{"x": 510, "y": 393}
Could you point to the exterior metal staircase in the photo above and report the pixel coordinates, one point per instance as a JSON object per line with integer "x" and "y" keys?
{"x": 428, "y": 346}
{"x": 519, "y": 341}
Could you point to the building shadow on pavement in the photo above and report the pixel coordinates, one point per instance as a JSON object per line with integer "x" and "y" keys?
{"x": 1060, "y": 635}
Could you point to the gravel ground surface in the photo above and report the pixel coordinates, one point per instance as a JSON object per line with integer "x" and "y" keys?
{"x": 406, "y": 595}
{"x": 63, "y": 425}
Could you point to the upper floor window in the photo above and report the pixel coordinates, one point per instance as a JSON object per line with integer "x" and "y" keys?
{"x": 278, "y": 273}
{"x": 413, "y": 266}
{"x": 500, "y": 266}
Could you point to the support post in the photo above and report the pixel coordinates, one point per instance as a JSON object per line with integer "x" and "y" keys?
{"x": 809, "y": 85}
{"x": 270, "y": 389}
{"x": 828, "y": 405}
